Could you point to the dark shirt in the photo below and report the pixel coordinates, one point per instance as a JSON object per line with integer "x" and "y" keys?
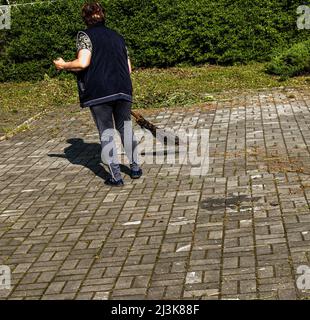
{"x": 107, "y": 78}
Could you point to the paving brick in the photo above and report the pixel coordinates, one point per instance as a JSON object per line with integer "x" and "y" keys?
{"x": 55, "y": 287}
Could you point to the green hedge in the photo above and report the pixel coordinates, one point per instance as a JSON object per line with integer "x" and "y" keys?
{"x": 291, "y": 62}
{"x": 168, "y": 32}
{"x": 39, "y": 34}
{"x": 158, "y": 32}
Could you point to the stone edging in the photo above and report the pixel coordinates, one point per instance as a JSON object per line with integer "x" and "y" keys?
{"x": 27, "y": 122}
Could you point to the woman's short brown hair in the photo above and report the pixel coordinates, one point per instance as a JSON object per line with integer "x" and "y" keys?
{"x": 93, "y": 13}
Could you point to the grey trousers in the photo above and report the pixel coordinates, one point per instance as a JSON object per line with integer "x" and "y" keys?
{"x": 115, "y": 114}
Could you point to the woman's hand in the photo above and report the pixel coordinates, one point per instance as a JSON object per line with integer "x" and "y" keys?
{"x": 59, "y": 63}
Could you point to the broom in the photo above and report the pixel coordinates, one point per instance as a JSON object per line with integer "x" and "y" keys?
{"x": 160, "y": 134}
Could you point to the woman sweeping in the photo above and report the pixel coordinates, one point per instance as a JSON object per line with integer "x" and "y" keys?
{"x": 103, "y": 71}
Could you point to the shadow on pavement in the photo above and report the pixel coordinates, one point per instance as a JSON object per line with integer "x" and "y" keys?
{"x": 87, "y": 155}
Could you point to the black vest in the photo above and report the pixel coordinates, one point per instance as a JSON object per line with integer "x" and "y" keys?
{"x": 107, "y": 78}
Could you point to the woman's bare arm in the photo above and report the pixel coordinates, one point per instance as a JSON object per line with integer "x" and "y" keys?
{"x": 130, "y": 66}
{"x": 79, "y": 64}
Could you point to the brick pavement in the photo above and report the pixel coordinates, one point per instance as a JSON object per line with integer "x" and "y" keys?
{"x": 238, "y": 233}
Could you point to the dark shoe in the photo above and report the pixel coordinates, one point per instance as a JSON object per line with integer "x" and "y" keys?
{"x": 136, "y": 174}
{"x": 114, "y": 183}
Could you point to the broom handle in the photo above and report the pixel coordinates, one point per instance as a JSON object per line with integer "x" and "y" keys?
{"x": 135, "y": 115}
{"x": 143, "y": 122}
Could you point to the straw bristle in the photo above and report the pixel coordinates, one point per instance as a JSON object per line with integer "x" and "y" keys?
{"x": 162, "y": 135}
